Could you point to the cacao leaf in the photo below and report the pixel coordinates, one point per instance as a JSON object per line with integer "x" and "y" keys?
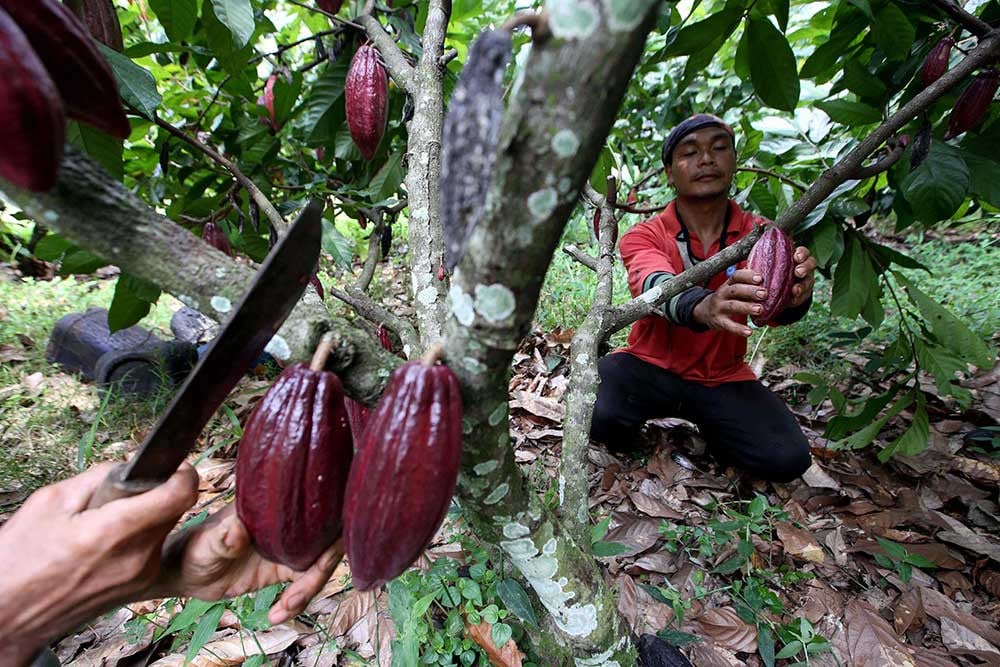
{"x": 984, "y": 175}
{"x": 132, "y": 300}
{"x": 220, "y": 39}
{"x": 204, "y": 630}
{"x": 338, "y": 245}
{"x": 861, "y": 82}
{"x": 516, "y": 600}
{"x": 893, "y": 32}
{"x": 237, "y": 16}
{"x": 937, "y": 188}
{"x": 773, "y": 70}
{"x": 324, "y": 110}
{"x": 135, "y": 83}
{"x": 104, "y": 148}
{"x": 178, "y": 17}
{"x": 387, "y": 179}
{"x": 850, "y": 113}
{"x": 693, "y": 38}
{"x": 853, "y": 282}
{"x": 914, "y": 440}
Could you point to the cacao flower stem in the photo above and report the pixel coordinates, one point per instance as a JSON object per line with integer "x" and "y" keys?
{"x": 433, "y": 354}
{"x": 322, "y": 352}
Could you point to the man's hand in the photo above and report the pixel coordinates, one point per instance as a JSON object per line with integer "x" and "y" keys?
{"x": 215, "y": 560}
{"x": 62, "y": 564}
{"x": 741, "y": 295}
{"x": 805, "y": 270}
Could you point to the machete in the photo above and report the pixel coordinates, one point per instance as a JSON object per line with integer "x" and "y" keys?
{"x": 275, "y": 290}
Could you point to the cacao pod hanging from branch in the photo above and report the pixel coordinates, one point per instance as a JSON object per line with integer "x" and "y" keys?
{"x": 404, "y": 472}
{"x": 366, "y": 100}
{"x": 293, "y": 463}
{"x": 772, "y": 258}
{"x": 973, "y": 104}
{"x": 101, "y": 19}
{"x": 936, "y": 62}
{"x": 358, "y": 413}
{"x": 213, "y": 235}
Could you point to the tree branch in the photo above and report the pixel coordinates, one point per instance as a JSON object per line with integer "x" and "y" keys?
{"x": 374, "y": 250}
{"x": 884, "y": 163}
{"x": 581, "y": 256}
{"x": 401, "y": 71}
{"x": 374, "y": 312}
{"x": 970, "y": 22}
{"x": 645, "y": 304}
{"x": 263, "y": 203}
{"x": 784, "y": 179}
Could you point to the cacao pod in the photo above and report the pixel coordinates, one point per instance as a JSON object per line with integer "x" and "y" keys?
{"x": 772, "y": 258}
{"x": 385, "y": 241}
{"x": 292, "y": 464}
{"x": 101, "y": 19}
{"x": 404, "y": 472}
{"x": 936, "y": 62}
{"x": 32, "y": 127}
{"x": 469, "y": 140}
{"x": 366, "y": 100}
{"x": 317, "y": 285}
{"x": 213, "y": 235}
{"x": 441, "y": 272}
{"x": 267, "y": 101}
{"x": 84, "y": 79}
{"x": 330, "y": 6}
{"x": 358, "y": 413}
{"x": 921, "y": 145}
{"x": 973, "y": 104}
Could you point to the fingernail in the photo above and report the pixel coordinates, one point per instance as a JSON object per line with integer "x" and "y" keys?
{"x": 756, "y": 309}
{"x": 746, "y": 332}
{"x": 295, "y": 602}
{"x": 758, "y": 279}
{"x": 761, "y": 293}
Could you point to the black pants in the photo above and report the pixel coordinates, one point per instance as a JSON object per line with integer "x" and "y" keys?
{"x": 744, "y": 423}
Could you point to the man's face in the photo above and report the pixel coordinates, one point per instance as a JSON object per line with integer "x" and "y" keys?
{"x": 703, "y": 164}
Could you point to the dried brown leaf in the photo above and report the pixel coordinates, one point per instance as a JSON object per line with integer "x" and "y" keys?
{"x": 653, "y": 506}
{"x": 725, "y": 627}
{"x": 870, "y": 640}
{"x": 706, "y": 654}
{"x": 960, "y": 640}
{"x": 635, "y": 533}
{"x": 506, "y": 656}
{"x": 799, "y": 543}
{"x": 908, "y": 611}
{"x": 940, "y": 606}
{"x": 236, "y": 648}
{"x": 628, "y": 600}
{"x": 933, "y": 658}
{"x": 980, "y": 471}
{"x": 658, "y": 561}
{"x": 540, "y": 406}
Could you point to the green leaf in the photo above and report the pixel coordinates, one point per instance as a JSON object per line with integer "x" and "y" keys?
{"x": 741, "y": 64}
{"x": 765, "y": 645}
{"x": 772, "y": 66}
{"x": 861, "y": 82}
{"x": 600, "y": 529}
{"x": 914, "y": 440}
{"x": 828, "y": 243}
{"x": 80, "y": 262}
{"x": 232, "y": 55}
{"x": 206, "y": 628}
{"x": 944, "y": 365}
{"x": 694, "y": 37}
{"x": 501, "y": 634}
{"x": 338, "y": 245}
{"x": 103, "y": 148}
{"x": 731, "y": 565}
{"x": 135, "y": 84}
{"x": 762, "y": 198}
{"x": 603, "y": 549}
{"x": 387, "y": 179}
{"x": 237, "y": 15}
{"x": 894, "y": 33}
{"x": 286, "y": 94}
{"x": 599, "y": 176}
{"x": 853, "y": 282}
{"x": 516, "y": 600}
{"x": 177, "y": 17}
{"x": 678, "y": 638}
{"x": 193, "y": 610}
{"x": 894, "y": 550}
{"x": 791, "y": 649}
{"x": 131, "y": 302}
{"x": 843, "y": 424}
{"x": 421, "y": 606}
{"x": 864, "y": 437}
{"x": 984, "y": 175}
{"x": 937, "y": 188}
{"x": 850, "y": 113}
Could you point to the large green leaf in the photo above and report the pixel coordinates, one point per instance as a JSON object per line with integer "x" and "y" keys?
{"x": 984, "y": 175}
{"x": 237, "y": 15}
{"x": 853, "y": 282}
{"x": 860, "y": 81}
{"x": 135, "y": 84}
{"x": 914, "y": 440}
{"x": 324, "y": 108}
{"x": 387, "y": 179}
{"x": 220, "y": 38}
{"x": 338, "y": 245}
{"x": 937, "y": 188}
{"x": 132, "y": 300}
{"x": 893, "y": 32}
{"x": 514, "y": 597}
{"x": 694, "y": 37}
{"x": 850, "y": 113}
{"x": 177, "y": 17}
{"x": 772, "y": 66}
{"x": 104, "y": 148}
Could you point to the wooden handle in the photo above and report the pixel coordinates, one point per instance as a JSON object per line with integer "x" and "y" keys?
{"x": 115, "y": 487}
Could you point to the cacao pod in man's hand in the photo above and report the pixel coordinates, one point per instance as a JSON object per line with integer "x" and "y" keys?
{"x": 366, "y": 100}
{"x": 293, "y": 463}
{"x": 32, "y": 127}
{"x": 84, "y": 79}
{"x": 773, "y": 258}
{"x": 973, "y": 104}
{"x": 404, "y": 472}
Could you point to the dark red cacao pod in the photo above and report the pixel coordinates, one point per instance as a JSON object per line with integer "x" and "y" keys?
{"x": 404, "y": 473}
{"x": 973, "y": 104}
{"x": 32, "y": 127}
{"x": 84, "y": 79}
{"x": 358, "y": 413}
{"x": 366, "y": 100}
{"x": 292, "y": 466}
{"x": 330, "y": 6}
{"x": 317, "y": 285}
{"x": 936, "y": 62}
{"x": 267, "y": 101}
{"x": 441, "y": 272}
{"x": 213, "y": 235}
{"x": 101, "y": 19}
{"x": 772, "y": 258}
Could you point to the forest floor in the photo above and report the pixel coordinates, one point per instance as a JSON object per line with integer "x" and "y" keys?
{"x": 861, "y": 562}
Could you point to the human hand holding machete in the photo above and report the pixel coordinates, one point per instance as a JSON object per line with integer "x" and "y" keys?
{"x": 100, "y": 539}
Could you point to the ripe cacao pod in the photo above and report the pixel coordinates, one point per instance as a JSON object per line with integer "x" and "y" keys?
{"x": 469, "y": 140}
{"x": 936, "y": 62}
{"x": 293, "y": 463}
{"x": 101, "y": 19}
{"x": 441, "y": 272}
{"x": 404, "y": 472}
{"x": 32, "y": 127}
{"x": 772, "y": 258}
{"x": 366, "y": 100}
{"x": 358, "y": 413}
{"x": 317, "y": 285}
{"x": 213, "y": 235}
{"x": 330, "y": 6}
{"x": 84, "y": 79}
{"x": 267, "y": 101}
{"x": 973, "y": 104}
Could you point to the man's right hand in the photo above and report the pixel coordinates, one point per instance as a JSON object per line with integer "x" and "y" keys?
{"x": 741, "y": 295}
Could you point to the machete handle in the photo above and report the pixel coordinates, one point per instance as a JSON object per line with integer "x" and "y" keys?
{"x": 114, "y": 487}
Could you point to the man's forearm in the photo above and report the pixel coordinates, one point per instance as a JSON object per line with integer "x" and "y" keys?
{"x": 679, "y": 309}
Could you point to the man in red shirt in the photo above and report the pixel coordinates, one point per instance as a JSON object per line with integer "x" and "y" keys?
{"x": 689, "y": 361}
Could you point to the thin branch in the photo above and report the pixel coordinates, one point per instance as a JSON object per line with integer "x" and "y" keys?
{"x": 536, "y": 20}
{"x": 884, "y": 163}
{"x": 265, "y": 205}
{"x": 767, "y": 172}
{"x": 395, "y": 60}
{"x": 373, "y": 312}
{"x": 641, "y": 210}
{"x": 972, "y": 23}
{"x": 581, "y": 256}
{"x": 435, "y": 31}
{"x": 374, "y": 248}
{"x": 447, "y": 57}
{"x": 332, "y": 17}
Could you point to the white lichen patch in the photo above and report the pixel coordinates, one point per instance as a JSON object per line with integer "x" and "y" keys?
{"x": 494, "y": 302}
{"x": 462, "y": 305}
{"x": 562, "y": 488}
{"x": 542, "y": 203}
{"x": 514, "y": 530}
{"x": 497, "y": 494}
{"x": 583, "y": 358}
{"x": 467, "y": 426}
{"x": 221, "y": 304}
{"x": 540, "y": 569}
{"x": 486, "y": 467}
{"x": 474, "y": 365}
{"x": 572, "y": 19}
{"x": 187, "y": 301}
{"x": 427, "y": 295}
{"x": 406, "y": 350}
{"x": 565, "y": 184}
{"x": 565, "y": 143}
{"x": 603, "y": 659}
{"x": 624, "y": 15}
{"x": 650, "y": 296}
{"x": 220, "y": 272}
{"x": 278, "y": 348}
{"x": 499, "y": 412}
{"x": 50, "y": 216}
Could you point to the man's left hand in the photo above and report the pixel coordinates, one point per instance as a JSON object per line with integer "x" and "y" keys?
{"x": 805, "y": 269}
